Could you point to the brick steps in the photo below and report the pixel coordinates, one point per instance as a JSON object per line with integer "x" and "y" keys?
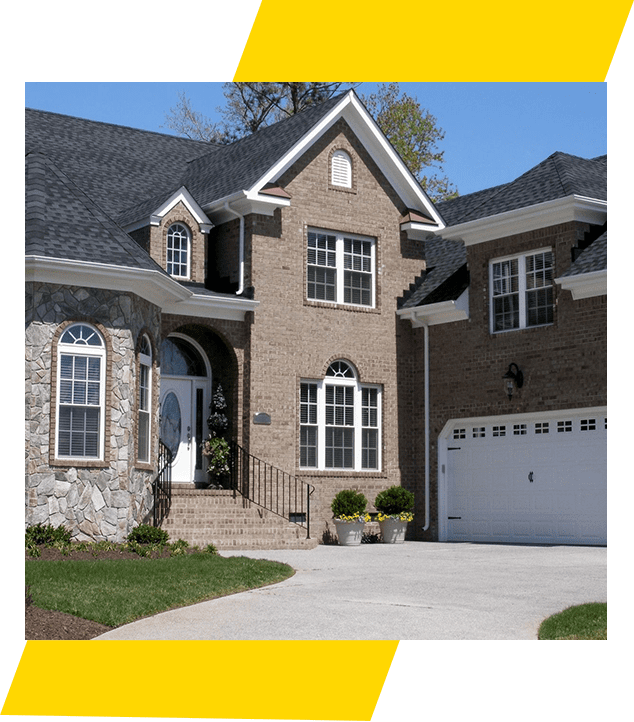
{"x": 206, "y": 516}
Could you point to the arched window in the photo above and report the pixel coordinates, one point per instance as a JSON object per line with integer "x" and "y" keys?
{"x": 178, "y": 250}
{"x": 81, "y": 360}
{"x": 144, "y": 399}
{"x": 180, "y": 358}
{"x": 341, "y": 169}
{"x": 340, "y": 421}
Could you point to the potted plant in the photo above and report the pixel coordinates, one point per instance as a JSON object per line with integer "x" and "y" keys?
{"x": 348, "y": 509}
{"x": 395, "y": 511}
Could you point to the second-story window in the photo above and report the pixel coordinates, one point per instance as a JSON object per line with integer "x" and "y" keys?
{"x": 340, "y": 268}
{"x": 178, "y": 250}
{"x": 521, "y": 291}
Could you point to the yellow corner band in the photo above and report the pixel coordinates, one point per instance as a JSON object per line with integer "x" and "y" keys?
{"x": 305, "y": 680}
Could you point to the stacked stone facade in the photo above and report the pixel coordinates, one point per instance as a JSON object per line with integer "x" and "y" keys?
{"x": 101, "y": 499}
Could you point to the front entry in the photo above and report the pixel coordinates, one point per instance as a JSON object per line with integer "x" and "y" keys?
{"x": 185, "y": 396}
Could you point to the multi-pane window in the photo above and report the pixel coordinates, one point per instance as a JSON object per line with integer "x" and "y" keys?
{"x": 145, "y": 399}
{"x": 178, "y": 250}
{"x": 340, "y": 268}
{"x": 340, "y": 422}
{"x": 522, "y": 291}
{"x": 80, "y": 392}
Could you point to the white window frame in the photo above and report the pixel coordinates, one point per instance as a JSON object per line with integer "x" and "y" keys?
{"x": 80, "y": 350}
{"x": 333, "y": 261}
{"x": 341, "y": 169}
{"x": 496, "y": 291}
{"x": 172, "y": 265}
{"x": 319, "y": 421}
{"x": 144, "y": 400}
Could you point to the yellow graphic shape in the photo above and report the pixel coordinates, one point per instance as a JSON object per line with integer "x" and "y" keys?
{"x": 544, "y": 40}
{"x": 324, "y": 680}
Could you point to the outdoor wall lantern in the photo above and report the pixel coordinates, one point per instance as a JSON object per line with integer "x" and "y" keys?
{"x": 513, "y": 378}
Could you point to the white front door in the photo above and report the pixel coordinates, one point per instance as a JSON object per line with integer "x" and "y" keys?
{"x": 183, "y": 420}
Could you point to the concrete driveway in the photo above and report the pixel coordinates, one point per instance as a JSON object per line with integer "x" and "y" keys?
{"x": 414, "y": 591}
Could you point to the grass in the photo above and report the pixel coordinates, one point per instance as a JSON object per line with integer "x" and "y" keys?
{"x": 116, "y": 592}
{"x": 586, "y": 621}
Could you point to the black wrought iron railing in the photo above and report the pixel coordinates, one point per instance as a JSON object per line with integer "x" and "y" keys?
{"x": 162, "y": 485}
{"x": 271, "y": 488}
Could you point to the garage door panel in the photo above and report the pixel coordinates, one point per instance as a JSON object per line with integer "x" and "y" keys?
{"x": 531, "y": 486}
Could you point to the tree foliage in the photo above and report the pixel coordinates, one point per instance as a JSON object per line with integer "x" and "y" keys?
{"x": 414, "y": 133}
{"x": 411, "y": 129}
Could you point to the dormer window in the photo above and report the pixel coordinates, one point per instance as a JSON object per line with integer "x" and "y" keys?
{"x": 341, "y": 169}
{"x": 179, "y": 250}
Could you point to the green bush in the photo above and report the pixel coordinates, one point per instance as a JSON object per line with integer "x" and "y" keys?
{"x": 348, "y": 503}
{"x": 47, "y": 535}
{"x": 394, "y": 500}
{"x": 146, "y": 534}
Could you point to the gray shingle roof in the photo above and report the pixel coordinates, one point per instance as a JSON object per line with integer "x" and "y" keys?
{"x": 445, "y": 277}
{"x": 559, "y": 176}
{"x": 116, "y": 166}
{"x": 63, "y": 222}
{"x": 593, "y": 258}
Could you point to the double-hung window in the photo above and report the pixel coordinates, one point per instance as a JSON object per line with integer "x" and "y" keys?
{"x": 81, "y": 357}
{"x": 144, "y": 400}
{"x": 341, "y": 268}
{"x": 340, "y": 425}
{"x": 522, "y": 291}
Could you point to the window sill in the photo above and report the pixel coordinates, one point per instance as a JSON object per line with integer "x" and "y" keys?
{"x": 340, "y": 306}
{"x": 316, "y": 473}
{"x": 524, "y": 328}
{"x": 75, "y": 462}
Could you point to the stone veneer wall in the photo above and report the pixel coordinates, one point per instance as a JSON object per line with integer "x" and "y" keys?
{"x": 95, "y": 500}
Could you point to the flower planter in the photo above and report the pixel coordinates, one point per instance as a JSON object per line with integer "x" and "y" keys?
{"x": 349, "y": 533}
{"x": 393, "y": 531}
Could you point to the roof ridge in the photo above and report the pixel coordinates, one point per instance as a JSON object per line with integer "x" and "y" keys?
{"x": 124, "y": 127}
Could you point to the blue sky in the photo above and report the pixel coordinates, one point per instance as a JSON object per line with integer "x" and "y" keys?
{"x": 494, "y": 132}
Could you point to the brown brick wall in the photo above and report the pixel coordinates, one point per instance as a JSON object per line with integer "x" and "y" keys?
{"x": 564, "y": 364}
{"x": 293, "y": 338}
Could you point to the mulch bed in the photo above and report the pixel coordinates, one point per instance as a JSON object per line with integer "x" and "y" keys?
{"x": 50, "y": 624}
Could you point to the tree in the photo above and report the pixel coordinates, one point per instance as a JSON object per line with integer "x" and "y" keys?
{"x": 249, "y": 107}
{"x": 414, "y": 133}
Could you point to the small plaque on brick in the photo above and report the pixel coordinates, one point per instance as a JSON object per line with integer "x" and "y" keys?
{"x": 262, "y": 418}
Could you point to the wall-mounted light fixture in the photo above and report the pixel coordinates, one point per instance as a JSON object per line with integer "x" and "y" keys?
{"x": 513, "y": 378}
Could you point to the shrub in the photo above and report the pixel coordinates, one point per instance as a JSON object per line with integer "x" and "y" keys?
{"x": 47, "y": 534}
{"x": 210, "y": 549}
{"x": 146, "y": 534}
{"x": 348, "y": 503}
{"x": 394, "y": 500}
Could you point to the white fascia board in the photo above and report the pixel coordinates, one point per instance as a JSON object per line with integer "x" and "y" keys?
{"x": 227, "y": 308}
{"x": 154, "y": 286}
{"x": 182, "y": 195}
{"x": 585, "y": 285}
{"x": 244, "y": 203}
{"x": 435, "y": 314}
{"x": 542, "y": 215}
{"x": 365, "y": 128}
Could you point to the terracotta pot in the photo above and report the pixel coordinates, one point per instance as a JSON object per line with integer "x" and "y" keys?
{"x": 349, "y": 533}
{"x": 393, "y": 531}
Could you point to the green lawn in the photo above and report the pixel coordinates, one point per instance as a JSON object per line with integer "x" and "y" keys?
{"x": 115, "y": 592}
{"x": 586, "y": 621}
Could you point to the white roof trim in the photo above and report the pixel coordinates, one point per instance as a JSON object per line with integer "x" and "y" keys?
{"x": 154, "y": 286}
{"x": 182, "y": 195}
{"x": 365, "y": 128}
{"x": 434, "y": 314}
{"x": 585, "y": 285}
{"x": 541, "y": 215}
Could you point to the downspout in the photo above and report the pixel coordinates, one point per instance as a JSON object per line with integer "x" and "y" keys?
{"x": 426, "y": 372}
{"x": 228, "y": 208}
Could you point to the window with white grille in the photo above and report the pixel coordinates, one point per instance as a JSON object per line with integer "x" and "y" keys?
{"x": 521, "y": 291}
{"x": 341, "y": 169}
{"x": 340, "y": 268}
{"x": 81, "y": 357}
{"x": 144, "y": 400}
{"x": 542, "y": 427}
{"x": 178, "y": 250}
{"x": 340, "y": 422}
{"x": 564, "y": 427}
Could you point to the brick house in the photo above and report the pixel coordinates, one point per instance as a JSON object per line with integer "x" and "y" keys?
{"x": 304, "y": 271}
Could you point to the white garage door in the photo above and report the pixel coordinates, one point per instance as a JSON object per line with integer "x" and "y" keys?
{"x": 525, "y": 479}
